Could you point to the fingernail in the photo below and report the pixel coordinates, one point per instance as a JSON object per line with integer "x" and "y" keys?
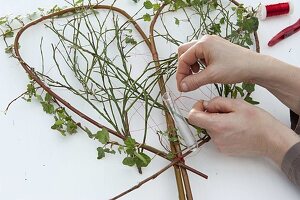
{"x": 184, "y": 87}
{"x": 205, "y": 104}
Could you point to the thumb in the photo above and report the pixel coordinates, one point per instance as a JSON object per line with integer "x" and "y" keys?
{"x": 220, "y": 105}
{"x": 194, "y": 81}
{"x": 198, "y": 117}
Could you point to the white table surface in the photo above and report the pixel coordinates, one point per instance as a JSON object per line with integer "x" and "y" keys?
{"x": 38, "y": 163}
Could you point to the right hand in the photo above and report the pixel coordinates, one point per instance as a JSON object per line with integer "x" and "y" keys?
{"x": 239, "y": 128}
{"x": 225, "y": 63}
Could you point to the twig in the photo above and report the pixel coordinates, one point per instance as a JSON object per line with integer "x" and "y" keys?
{"x": 18, "y": 97}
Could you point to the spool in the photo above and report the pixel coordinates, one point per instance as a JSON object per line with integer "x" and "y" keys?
{"x": 266, "y": 11}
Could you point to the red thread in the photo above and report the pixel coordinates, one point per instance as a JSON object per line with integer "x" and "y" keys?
{"x": 278, "y": 9}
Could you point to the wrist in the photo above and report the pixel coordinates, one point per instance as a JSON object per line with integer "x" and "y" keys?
{"x": 279, "y": 142}
{"x": 261, "y": 66}
{"x": 269, "y": 72}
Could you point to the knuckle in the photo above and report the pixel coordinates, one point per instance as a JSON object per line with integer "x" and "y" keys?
{"x": 191, "y": 115}
{"x": 180, "y": 49}
{"x": 209, "y": 38}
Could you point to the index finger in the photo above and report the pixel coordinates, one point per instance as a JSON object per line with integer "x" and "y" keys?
{"x": 186, "y": 60}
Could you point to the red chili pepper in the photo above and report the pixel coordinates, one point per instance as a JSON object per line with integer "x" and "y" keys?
{"x": 288, "y": 31}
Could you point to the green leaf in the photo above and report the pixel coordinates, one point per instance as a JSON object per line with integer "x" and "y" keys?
{"x": 250, "y": 100}
{"x": 141, "y": 159}
{"x": 62, "y": 132}
{"x": 9, "y": 49}
{"x": 71, "y": 127}
{"x": 130, "y": 40}
{"x": 234, "y": 94}
{"x": 61, "y": 113}
{"x": 130, "y": 142}
{"x": 31, "y": 89}
{"x": 173, "y": 139}
{"x": 48, "y": 97}
{"x": 156, "y": 6}
{"x": 177, "y": 21}
{"x": 148, "y": 4}
{"x": 129, "y": 161}
{"x": 240, "y": 90}
{"x": 59, "y": 122}
{"x": 39, "y": 97}
{"x": 48, "y": 107}
{"x": 78, "y": 2}
{"x": 87, "y": 130}
{"x": 170, "y": 156}
{"x": 227, "y": 89}
{"x": 250, "y": 24}
{"x": 120, "y": 149}
{"x": 216, "y": 28}
{"x": 249, "y": 87}
{"x": 102, "y": 136}
{"x": 101, "y": 153}
{"x": 3, "y": 20}
{"x": 111, "y": 151}
{"x": 8, "y": 33}
{"x": 147, "y": 17}
{"x": 222, "y": 20}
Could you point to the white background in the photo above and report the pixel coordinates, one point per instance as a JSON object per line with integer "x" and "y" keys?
{"x": 38, "y": 163}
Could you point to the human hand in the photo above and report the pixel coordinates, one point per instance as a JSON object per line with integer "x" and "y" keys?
{"x": 238, "y": 128}
{"x": 225, "y": 63}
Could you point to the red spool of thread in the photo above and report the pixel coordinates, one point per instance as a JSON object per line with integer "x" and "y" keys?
{"x": 266, "y": 11}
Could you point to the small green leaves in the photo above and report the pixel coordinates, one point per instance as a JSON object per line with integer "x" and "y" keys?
{"x": 227, "y": 89}
{"x": 222, "y": 20}
{"x": 147, "y": 17}
{"x": 48, "y": 107}
{"x": 134, "y": 157}
{"x": 8, "y": 33}
{"x": 250, "y": 24}
{"x": 170, "y": 156}
{"x": 30, "y": 92}
{"x": 32, "y": 16}
{"x": 215, "y": 28}
{"x": 249, "y": 87}
{"x": 103, "y": 136}
{"x": 63, "y": 122}
{"x": 130, "y": 40}
{"x": 138, "y": 159}
{"x": 71, "y": 127}
{"x": 250, "y": 100}
{"x": 101, "y": 153}
{"x": 54, "y": 9}
{"x": 130, "y": 142}
{"x": 88, "y": 132}
{"x": 177, "y": 22}
{"x": 148, "y": 4}
{"x": 173, "y": 139}
{"x": 141, "y": 159}
{"x": 129, "y": 161}
{"x": 3, "y": 20}
{"x": 9, "y": 49}
{"x": 78, "y": 2}
{"x": 156, "y": 6}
